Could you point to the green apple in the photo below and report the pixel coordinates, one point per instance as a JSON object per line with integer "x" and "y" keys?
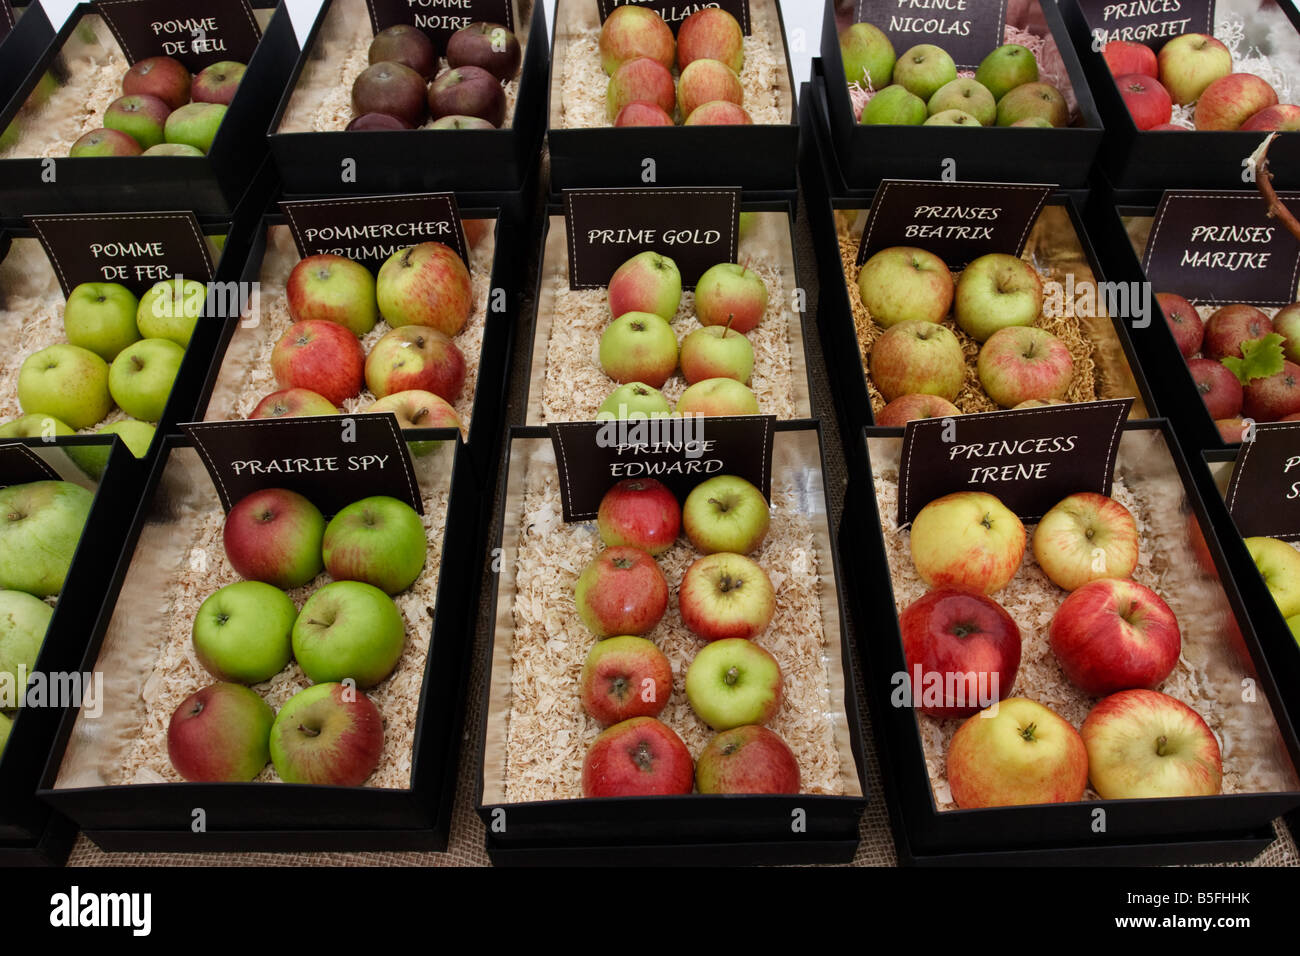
{"x": 1034, "y": 100}
{"x": 968, "y": 96}
{"x": 67, "y": 382}
{"x": 171, "y": 310}
{"x": 142, "y": 376}
{"x": 349, "y": 629}
{"x": 100, "y": 316}
{"x": 378, "y": 540}
{"x": 953, "y": 118}
{"x": 924, "y": 69}
{"x": 904, "y": 283}
{"x": 195, "y": 124}
{"x": 40, "y": 526}
{"x": 893, "y": 106}
{"x": 35, "y": 426}
{"x": 733, "y": 682}
{"x": 220, "y": 734}
{"x": 639, "y": 347}
{"x": 1279, "y": 565}
{"x": 1294, "y": 624}
{"x": 730, "y": 294}
{"x": 172, "y": 149}
{"x": 726, "y": 513}
{"x": 328, "y": 734}
{"x": 995, "y": 291}
{"x": 634, "y": 400}
{"x": 23, "y": 622}
{"x": 1007, "y": 67}
{"x": 716, "y": 351}
{"x": 93, "y": 459}
{"x": 242, "y": 632}
{"x": 867, "y": 54}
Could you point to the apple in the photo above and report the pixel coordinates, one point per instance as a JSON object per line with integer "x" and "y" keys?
{"x": 416, "y": 357}
{"x": 625, "y": 677}
{"x": 1145, "y": 744}
{"x": 327, "y": 734}
{"x": 93, "y": 459}
{"x": 332, "y": 289}
{"x": 648, "y": 282}
{"x": 427, "y": 284}
{"x": 40, "y": 527}
{"x": 726, "y": 513}
{"x": 634, "y": 400}
{"x": 1086, "y": 537}
{"x": 907, "y": 408}
{"x": 1286, "y": 323}
{"x": 1183, "y": 321}
{"x": 219, "y": 82}
{"x": 1273, "y": 397}
{"x": 417, "y": 409}
{"x": 1231, "y": 325}
{"x": 639, "y": 513}
{"x": 734, "y": 682}
{"x": 195, "y": 124}
{"x": 1124, "y": 57}
{"x": 716, "y": 351}
{"x": 140, "y": 116}
{"x": 100, "y": 316}
{"x": 220, "y": 734}
{"x": 1148, "y": 103}
{"x": 1218, "y": 387}
{"x": 141, "y": 377}
{"x": 382, "y": 121}
{"x": 718, "y": 113}
{"x": 1231, "y": 100}
{"x": 966, "y": 95}
{"x": 641, "y": 79}
{"x": 730, "y": 294}
{"x": 968, "y": 540}
{"x": 641, "y": 113}
{"x": 996, "y": 291}
{"x": 1112, "y": 634}
{"x": 67, "y": 382}
{"x": 1018, "y": 363}
{"x": 724, "y": 595}
{"x": 1007, "y": 67}
{"x": 1191, "y": 62}
{"x": 378, "y": 540}
{"x": 639, "y": 347}
{"x": 35, "y": 426}
{"x": 718, "y": 396}
{"x": 706, "y": 81}
{"x": 918, "y": 357}
{"x": 637, "y": 758}
{"x": 1031, "y": 100}
{"x": 160, "y": 76}
{"x": 321, "y": 356}
{"x": 711, "y": 33}
{"x": 24, "y": 619}
{"x": 1279, "y": 565}
{"x": 172, "y": 149}
{"x": 622, "y": 591}
{"x": 241, "y": 632}
{"x": 391, "y": 88}
{"x": 967, "y": 640}
{"x": 1032, "y": 122}
{"x": 405, "y": 44}
{"x": 868, "y": 56}
{"x": 105, "y": 142}
{"x": 953, "y": 118}
{"x": 630, "y": 32}
{"x": 1169, "y": 127}
{"x": 1232, "y": 431}
{"x": 748, "y": 759}
{"x": 895, "y": 105}
{"x": 274, "y": 535}
{"x": 924, "y": 69}
{"x": 904, "y": 284}
{"x": 1284, "y": 117}
{"x": 293, "y": 403}
{"x": 348, "y": 629}
{"x": 1016, "y": 753}
{"x": 468, "y": 91}
{"x": 170, "y": 309}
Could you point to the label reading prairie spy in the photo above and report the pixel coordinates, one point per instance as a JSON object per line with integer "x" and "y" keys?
{"x": 967, "y": 30}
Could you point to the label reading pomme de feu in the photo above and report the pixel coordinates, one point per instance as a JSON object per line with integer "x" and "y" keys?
{"x": 333, "y": 460}
{"x": 680, "y": 451}
{"x": 1222, "y": 247}
{"x": 696, "y": 228}
{"x": 370, "y": 229}
{"x": 196, "y": 32}
{"x": 957, "y": 222}
{"x": 1264, "y": 492}
{"x": 1029, "y": 458}
{"x": 439, "y": 19}
{"x": 674, "y": 14}
{"x": 136, "y": 250}
{"x": 20, "y": 465}
{"x": 967, "y": 30}
{"x": 1146, "y": 21}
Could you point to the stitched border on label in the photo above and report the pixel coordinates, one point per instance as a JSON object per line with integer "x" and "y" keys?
{"x": 1234, "y": 482}
{"x": 7, "y": 14}
{"x": 121, "y": 40}
{"x": 37, "y": 459}
{"x": 449, "y": 198}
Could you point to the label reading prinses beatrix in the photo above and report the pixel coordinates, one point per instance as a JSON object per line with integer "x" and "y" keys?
{"x": 370, "y": 229}
{"x": 196, "y": 32}
{"x": 967, "y": 30}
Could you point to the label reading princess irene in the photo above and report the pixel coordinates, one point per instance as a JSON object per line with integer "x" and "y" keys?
{"x": 967, "y": 30}
{"x": 1264, "y": 491}
{"x": 1146, "y": 21}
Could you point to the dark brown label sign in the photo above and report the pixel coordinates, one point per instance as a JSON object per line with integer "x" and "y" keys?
{"x": 133, "y": 249}
{"x": 958, "y": 222}
{"x": 7, "y": 19}
{"x": 679, "y": 451}
{"x": 196, "y": 32}
{"x": 1222, "y": 247}
{"x": 696, "y": 228}
{"x": 440, "y": 18}
{"x": 1264, "y": 492}
{"x": 1029, "y": 459}
{"x": 1146, "y": 21}
{"x": 370, "y": 229}
{"x": 675, "y": 13}
{"x": 19, "y": 465}
{"x": 334, "y": 459}
{"x": 967, "y": 29}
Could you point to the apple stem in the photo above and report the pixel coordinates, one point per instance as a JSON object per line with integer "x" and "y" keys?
{"x": 1028, "y": 732}
{"x": 731, "y": 317}
{"x": 1162, "y": 744}
{"x": 309, "y": 731}
{"x": 642, "y": 757}
{"x": 732, "y": 676}
{"x": 721, "y": 505}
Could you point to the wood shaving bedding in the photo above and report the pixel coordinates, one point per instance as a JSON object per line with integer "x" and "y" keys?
{"x": 548, "y": 734}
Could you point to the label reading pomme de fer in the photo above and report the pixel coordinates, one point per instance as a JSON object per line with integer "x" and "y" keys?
{"x": 370, "y": 229}
{"x": 1264, "y": 491}
{"x": 196, "y": 32}
{"x": 439, "y": 19}
{"x": 674, "y": 14}
{"x": 967, "y": 30}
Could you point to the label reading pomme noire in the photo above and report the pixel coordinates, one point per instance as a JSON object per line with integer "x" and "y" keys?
{"x": 439, "y": 19}
{"x": 967, "y": 30}
{"x": 1146, "y": 21}
{"x": 370, "y": 229}
{"x": 196, "y": 32}
{"x": 1028, "y": 458}
{"x": 1264, "y": 492}
{"x": 20, "y": 465}
{"x": 674, "y": 14}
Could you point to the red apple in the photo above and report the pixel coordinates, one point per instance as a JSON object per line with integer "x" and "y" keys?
{"x": 642, "y": 113}
{"x": 748, "y": 759}
{"x": 1231, "y": 100}
{"x": 711, "y": 33}
{"x": 327, "y": 734}
{"x": 725, "y": 595}
{"x": 415, "y": 357}
{"x": 218, "y": 82}
{"x": 322, "y": 356}
{"x": 1169, "y": 127}
{"x": 1219, "y": 389}
{"x": 275, "y": 535}
{"x": 638, "y": 758}
{"x": 220, "y": 734}
{"x": 1232, "y": 430}
{"x": 1145, "y": 744}
{"x": 1231, "y": 325}
{"x": 625, "y": 677}
{"x": 906, "y": 408}
{"x": 1273, "y": 397}
{"x": 293, "y": 403}
{"x": 1148, "y": 102}
{"x": 639, "y": 80}
{"x": 1184, "y": 322}
{"x": 160, "y": 76}
{"x": 622, "y": 591}
{"x": 719, "y": 113}
{"x": 1124, "y": 58}
{"x": 1284, "y": 117}
{"x": 639, "y": 513}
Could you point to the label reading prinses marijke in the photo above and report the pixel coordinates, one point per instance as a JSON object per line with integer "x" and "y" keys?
{"x": 1146, "y": 21}
{"x": 370, "y": 229}
{"x": 967, "y": 30}
{"x": 439, "y": 19}
{"x": 675, "y": 14}
{"x": 1222, "y": 247}
{"x": 196, "y": 32}
{"x": 1029, "y": 459}
{"x": 1264, "y": 492}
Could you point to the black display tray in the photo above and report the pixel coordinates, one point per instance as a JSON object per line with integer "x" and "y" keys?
{"x": 22, "y": 47}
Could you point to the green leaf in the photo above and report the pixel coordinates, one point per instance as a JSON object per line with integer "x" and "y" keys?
{"x": 1260, "y": 358}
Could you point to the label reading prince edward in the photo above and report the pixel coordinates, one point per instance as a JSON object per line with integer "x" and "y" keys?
{"x": 675, "y": 13}
{"x": 681, "y": 452}
{"x": 196, "y": 32}
{"x": 1146, "y": 21}
{"x": 333, "y": 460}
{"x": 1029, "y": 459}
{"x": 369, "y": 230}
{"x": 696, "y": 228}
{"x": 439, "y": 19}
{"x": 1264, "y": 492}
{"x": 967, "y": 29}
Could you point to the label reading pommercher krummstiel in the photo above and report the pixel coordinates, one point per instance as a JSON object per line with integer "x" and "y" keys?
{"x": 1264, "y": 491}
{"x": 439, "y": 19}
{"x": 1146, "y": 21}
{"x": 696, "y": 228}
{"x": 674, "y": 14}
{"x": 20, "y": 465}
{"x": 1222, "y": 247}
{"x": 333, "y": 460}
{"x": 968, "y": 30}
{"x": 680, "y": 451}
{"x": 370, "y": 229}
{"x": 1029, "y": 458}
{"x": 196, "y": 32}
{"x": 136, "y": 250}
{"x": 957, "y": 222}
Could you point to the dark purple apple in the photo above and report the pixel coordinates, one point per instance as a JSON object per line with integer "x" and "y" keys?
{"x": 487, "y": 45}
{"x": 461, "y": 122}
{"x": 160, "y": 76}
{"x": 1219, "y": 388}
{"x": 407, "y": 45}
{"x": 468, "y": 91}
{"x": 370, "y": 121}
{"x": 390, "y": 88}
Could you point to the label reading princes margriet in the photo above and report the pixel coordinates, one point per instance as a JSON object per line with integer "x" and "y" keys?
{"x": 1146, "y": 21}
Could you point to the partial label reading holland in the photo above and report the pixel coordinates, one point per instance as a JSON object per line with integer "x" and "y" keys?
{"x": 696, "y": 228}
{"x": 967, "y": 29}
{"x": 957, "y": 222}
{"x": 675, "y": 13}
{"x": 196, "y": 32}
{"x": 1029, "y": 459}
{"x": 1146, "y": 21}
{"x": 1264, "y": 491}
{"x": 136, "y": 250}
{"x": 680, "y": 451}
{"x": 1222, "y": 247}
{"x": 20, "y": 465}
{"x": 440, "y": 18}
{"x": 370, "y": 229}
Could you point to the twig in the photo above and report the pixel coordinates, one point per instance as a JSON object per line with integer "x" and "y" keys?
{"x": 1264, "y": 180}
